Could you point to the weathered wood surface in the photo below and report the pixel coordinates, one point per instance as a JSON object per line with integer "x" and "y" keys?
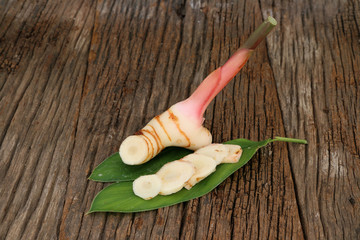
{"x": 77, "y": 77}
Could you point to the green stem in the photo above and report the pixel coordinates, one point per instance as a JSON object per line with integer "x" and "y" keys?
{"x": 292, "y": 140}
{"x": 260, "y": 33}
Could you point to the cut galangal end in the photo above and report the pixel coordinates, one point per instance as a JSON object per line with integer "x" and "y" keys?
{"x": 147, "y": 186}
{"x": 204, "y": 166}
{"x": 221, "y": 153}
{"x": 234, "y": 153}
{"x": 216, "y": 151}
{"x": 174, "y": 175}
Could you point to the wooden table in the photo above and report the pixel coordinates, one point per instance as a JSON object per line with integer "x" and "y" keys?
{"x": 77, "y": 77}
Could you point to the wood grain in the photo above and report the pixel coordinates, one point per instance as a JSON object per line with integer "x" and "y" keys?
{"x": 318, "y": 85}
{"x": 77, "y": 77}
{"x": 39, "y": 103}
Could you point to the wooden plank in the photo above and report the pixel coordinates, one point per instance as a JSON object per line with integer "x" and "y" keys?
{"x": 77, "y": 77}
{"x": 315, "y": 56}
{"x": 145, "y": 57}
{"x": 48, "y": 43}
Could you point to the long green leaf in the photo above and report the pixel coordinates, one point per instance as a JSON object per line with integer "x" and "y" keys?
{"x": 119, "y": 197}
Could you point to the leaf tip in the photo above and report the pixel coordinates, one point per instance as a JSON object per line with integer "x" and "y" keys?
{"x": 93, "y": 177}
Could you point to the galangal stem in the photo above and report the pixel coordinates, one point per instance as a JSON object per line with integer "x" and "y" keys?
{"x": 197, "y": 103}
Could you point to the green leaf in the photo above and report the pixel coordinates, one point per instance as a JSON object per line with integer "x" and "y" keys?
{"x": 119, "y": 197}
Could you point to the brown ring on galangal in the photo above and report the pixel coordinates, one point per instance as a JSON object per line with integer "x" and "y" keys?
{"x": 175, "y": 120}
{"x": 140, "y": 132}
{"x": 162, "y": 146}
{"x": 153, "y": 136}
{"x": 162, "y": 126}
